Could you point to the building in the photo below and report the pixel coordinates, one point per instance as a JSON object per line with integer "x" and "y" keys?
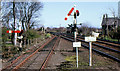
{"x": 119, "y": 9}
{"x": 109, "y": 24}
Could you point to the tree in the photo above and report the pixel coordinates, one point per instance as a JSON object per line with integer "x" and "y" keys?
{"x": 29, "y": 13}
{"x": 115, "y": 34}
{"x": 26, "y": 12}
{"x": 84, "y": 30}
{"x": 118, "y": 34}
{"x": 4, "y": 35}
{"x": 112, "y": 10}
{"x": 115, "y": 18}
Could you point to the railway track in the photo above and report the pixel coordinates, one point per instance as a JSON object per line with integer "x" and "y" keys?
{"x": 40, "y": 56}
{"x": 103, "y": 44}
{"x": 106, "y": 51}
{"x": 114, "y": 44}
{"x": 17, "y": 57}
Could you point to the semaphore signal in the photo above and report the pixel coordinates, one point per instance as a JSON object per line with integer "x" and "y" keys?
{"x": 20, "y": 31}
{"x": 75, "y": 13}
{"x": 75, "y": 44}
{"x": 10, "y": 31}
{"x": 69, "y": 13}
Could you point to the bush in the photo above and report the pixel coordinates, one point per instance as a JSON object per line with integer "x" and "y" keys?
{"x": 115, "y": 35}
{"x": 4, "y": 36}
{"x": 32, "y": 34}
{"x": 47, "y": 35}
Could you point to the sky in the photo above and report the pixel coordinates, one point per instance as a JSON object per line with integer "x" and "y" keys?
{"x": 53, "y": 13}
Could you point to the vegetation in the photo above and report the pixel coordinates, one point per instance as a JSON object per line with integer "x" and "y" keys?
{"x": 97, "y": 62}
{"x": 115, "y": 35}
{"x": 9, "y": 50}
{"x": 20, "y": 12}
{"x": 108, "y": 38}
{"x": 4, "y": 36}
{"x": 48, "y": 35}
{"x": 86, "y": 31}
{"x": 14, "y": 13}
{"x": 32, "y": 34}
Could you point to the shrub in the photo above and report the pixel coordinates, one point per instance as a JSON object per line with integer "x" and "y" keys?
{"x": 48, "y": 35}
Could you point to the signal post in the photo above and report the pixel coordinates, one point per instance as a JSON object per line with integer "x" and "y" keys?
{"x": 90, "y": 40}
{"x": 20, "y": 31}
{"x": 75, "y": 44}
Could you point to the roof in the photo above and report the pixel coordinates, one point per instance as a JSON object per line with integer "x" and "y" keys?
{"x": 111, "y": 21}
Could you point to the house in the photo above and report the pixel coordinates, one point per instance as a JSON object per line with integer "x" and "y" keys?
{"x": 109, "y": 24}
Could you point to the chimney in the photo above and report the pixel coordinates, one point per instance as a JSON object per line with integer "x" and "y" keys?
{"x": 106, "y": 17}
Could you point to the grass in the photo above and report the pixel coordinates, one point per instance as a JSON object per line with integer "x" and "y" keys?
{"x": 9, "y": 45}
{"x": 8, "y": 39}
{"x": 16, "y": 51}
{"x": 70, "y": 58}
{"x": 39, "y": 39}
{"x": 109, "y": 38}
{"x": 97, "y": 61}
{"x": 48, "y": 35}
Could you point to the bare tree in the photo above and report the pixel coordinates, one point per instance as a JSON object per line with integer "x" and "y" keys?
{"x": 112, "y": 10}
{"x": 26, "y": 12}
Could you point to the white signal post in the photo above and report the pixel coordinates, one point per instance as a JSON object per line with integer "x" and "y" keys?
{"x": 15, "y": 38}
{"x": 15, "y": 31}
{"x": 75, "y": 31}
{"x": 90, "y": 40}
{"x": 20, "y": 37}
{"x": 75, "y": 34}
{"x": 76, "y": 45}
{"x": 90, "y": 53}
